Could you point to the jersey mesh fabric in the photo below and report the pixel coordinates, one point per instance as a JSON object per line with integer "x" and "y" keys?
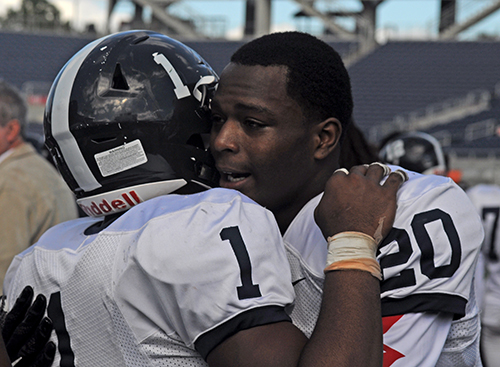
{"x": 179, "y": 355}
{"x": 462, "y": 344}
{"x": 131, "y": 355}
{"x": 92, "y": 277}
{"x": 308, "y": 292}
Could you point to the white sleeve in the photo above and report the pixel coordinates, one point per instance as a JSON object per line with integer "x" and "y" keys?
{"x": 429, "y": 257}
{"x": 414, "y": 339}
{"x": 212, "y": 268}
{"x": 432, "y": 339}
{"x": 425, "y": 339}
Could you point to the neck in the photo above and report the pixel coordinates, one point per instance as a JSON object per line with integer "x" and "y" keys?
{"x": 285, "y": 216}
{"x": 17, "y": 142}
{"x": 286, "y": 213}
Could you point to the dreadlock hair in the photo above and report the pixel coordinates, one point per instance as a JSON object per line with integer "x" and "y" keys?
{"x": 355, "y": 149}
{"x": 317, "y": 78}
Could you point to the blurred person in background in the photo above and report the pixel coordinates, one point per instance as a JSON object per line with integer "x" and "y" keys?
{"x": 419, "y": 152}
{"x": 416, "y": 151}
{"x": 486, "y": 199}
{"x": 33, "y": 196}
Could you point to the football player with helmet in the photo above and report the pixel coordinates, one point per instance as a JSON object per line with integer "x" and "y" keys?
{"x": 416, "y": 151}
{"x": 279, "y": 114}
{"x": 162, "y": 272}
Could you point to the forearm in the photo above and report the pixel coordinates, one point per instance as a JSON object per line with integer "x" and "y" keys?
{"x": 350, "y": 316}
{"x": 348, "y": 332}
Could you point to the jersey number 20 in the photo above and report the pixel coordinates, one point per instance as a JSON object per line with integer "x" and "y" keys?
{"x": 424, "y": 241}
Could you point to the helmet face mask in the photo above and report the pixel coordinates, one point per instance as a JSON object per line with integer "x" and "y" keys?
{"x": 415, "y": 151}
{"x": 129, "y": 110}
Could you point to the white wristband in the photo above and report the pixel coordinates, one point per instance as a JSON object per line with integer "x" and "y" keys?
{"x": 351, "y": 245}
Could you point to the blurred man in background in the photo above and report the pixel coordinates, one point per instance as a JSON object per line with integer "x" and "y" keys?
{"x": 33, "y": 196}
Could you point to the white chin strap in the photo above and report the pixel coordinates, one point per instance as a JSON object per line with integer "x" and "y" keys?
{"x": 123, "y": 199}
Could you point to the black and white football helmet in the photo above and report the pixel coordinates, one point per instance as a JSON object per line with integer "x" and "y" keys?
{"x": 126, "y": 120}
{"x": 415, "y": 151}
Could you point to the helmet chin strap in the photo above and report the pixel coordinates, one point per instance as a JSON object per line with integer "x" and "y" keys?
{"x": 120, "y": 200}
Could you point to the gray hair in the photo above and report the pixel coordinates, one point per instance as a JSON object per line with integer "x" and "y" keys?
{"x": 12, "y": 105}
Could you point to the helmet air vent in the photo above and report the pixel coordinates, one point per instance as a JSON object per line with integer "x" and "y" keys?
{"x": 119, "y": 81}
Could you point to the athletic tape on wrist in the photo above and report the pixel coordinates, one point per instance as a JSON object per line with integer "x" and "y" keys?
{"x": 353, "y": 250}
{"x": 369, "y": 265}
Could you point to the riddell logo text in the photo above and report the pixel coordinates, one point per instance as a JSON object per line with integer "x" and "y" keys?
{"x": 123, "y": 202}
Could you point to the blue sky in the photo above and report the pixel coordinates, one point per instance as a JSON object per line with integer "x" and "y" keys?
{"x": 407, "y": 18}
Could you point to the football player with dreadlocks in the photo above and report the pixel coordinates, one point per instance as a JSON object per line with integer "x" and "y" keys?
{"x": 279, "y": 113}
{"x": 163, "y": 271}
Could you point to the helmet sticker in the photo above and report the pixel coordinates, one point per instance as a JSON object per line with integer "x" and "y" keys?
{"x": 181, "y": 90}
{"x": 122, "y": 158}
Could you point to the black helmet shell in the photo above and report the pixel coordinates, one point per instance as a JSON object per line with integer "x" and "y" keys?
{"x": 128, "y": 110}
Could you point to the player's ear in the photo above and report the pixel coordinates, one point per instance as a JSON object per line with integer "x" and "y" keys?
{"x": 327, "y": 137}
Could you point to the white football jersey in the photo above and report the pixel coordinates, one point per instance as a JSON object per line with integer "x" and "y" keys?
{"x": 486, "y": 199}
{"x": 428, "y": 262}
{"x": 163, "y": 284}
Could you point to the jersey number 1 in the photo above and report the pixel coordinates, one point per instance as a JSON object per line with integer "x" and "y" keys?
{"x": 247, "y": 288}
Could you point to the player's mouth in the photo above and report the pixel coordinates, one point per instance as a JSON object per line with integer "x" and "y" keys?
{"x": 234, "y": 176}
{"x": 231, "y": 179}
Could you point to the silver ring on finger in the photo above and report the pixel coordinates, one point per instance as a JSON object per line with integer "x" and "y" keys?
{"x": 403, "y": 174}
{"x": 385, "y": 167}
{"x": 341, "y": 170}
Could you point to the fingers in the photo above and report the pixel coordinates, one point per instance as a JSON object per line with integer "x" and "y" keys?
{"x": 22, "y": 335}
{"x": 46, "y": 358}
{"x": 18, "y": 312}
{"x": 396, "y": 179}
{"x": 38, "y": 341}
{"x": 374, "y": 171}
{"x": 35, "y": 348}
